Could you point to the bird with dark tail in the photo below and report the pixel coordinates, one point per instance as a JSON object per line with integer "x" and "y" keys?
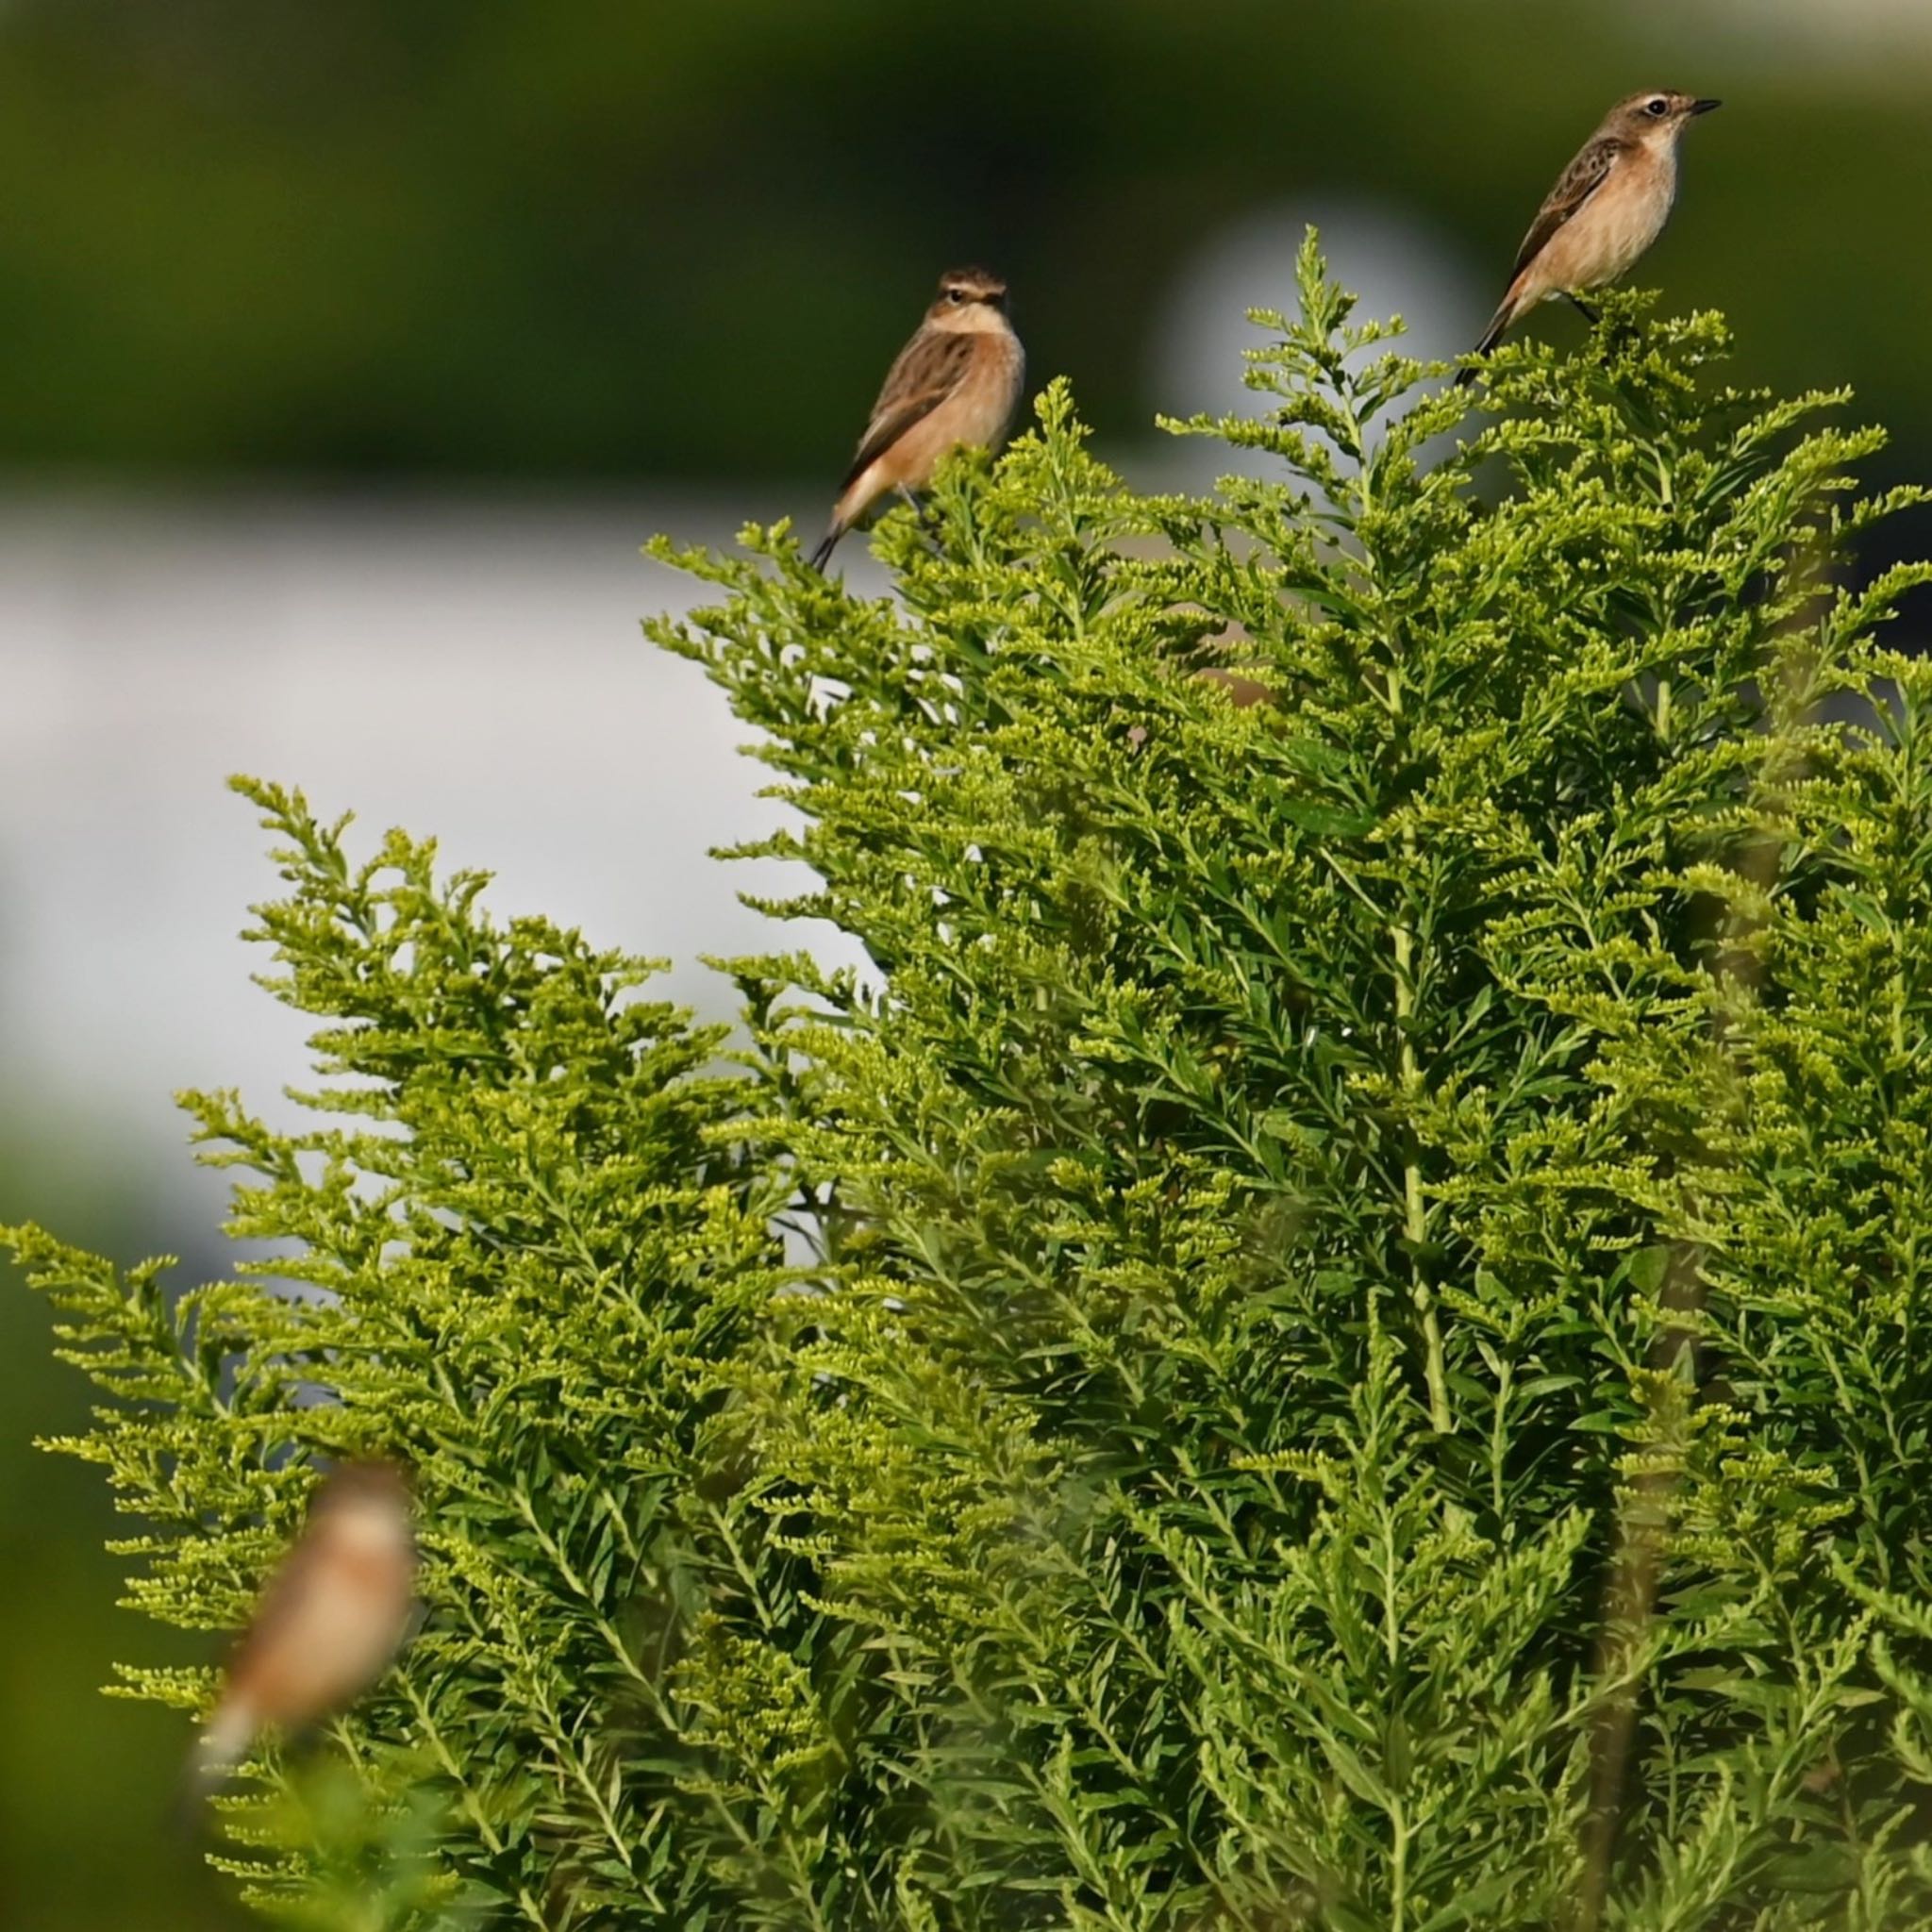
{"x": 956, "y": 382}
{"x": 1608, "y": 207}
{"x": 330, "y": 1618}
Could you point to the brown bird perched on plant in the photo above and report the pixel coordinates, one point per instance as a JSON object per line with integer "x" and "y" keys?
{"x": 956, "y": 382}
{"x": 1608, "y": 207}
{"x": 328, "y": 1621}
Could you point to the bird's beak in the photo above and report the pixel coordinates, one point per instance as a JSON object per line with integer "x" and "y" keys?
{"x": 1703, "y": 107}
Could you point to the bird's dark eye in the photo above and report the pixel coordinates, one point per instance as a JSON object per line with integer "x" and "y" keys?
{"x": 955, "y": 294}
{"x": 1656, "y": 105}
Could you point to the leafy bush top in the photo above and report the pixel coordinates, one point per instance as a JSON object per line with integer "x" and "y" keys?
{"x": 1329, "y": 1338}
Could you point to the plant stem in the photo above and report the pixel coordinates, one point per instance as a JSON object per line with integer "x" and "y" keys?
{"x": 1414, "y": 1212}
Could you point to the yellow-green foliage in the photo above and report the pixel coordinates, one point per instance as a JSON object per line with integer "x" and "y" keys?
{"x": 1350, "y": 1348}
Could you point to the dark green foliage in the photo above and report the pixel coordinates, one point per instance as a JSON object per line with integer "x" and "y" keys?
{"x": 1358, "y": 1364}
{"x": 678, "y": 244}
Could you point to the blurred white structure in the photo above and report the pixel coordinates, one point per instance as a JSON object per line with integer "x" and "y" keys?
{"x": 1787, "y": 33}
{"x": 1394, "y": 262}
{"x": 471, "y": 670}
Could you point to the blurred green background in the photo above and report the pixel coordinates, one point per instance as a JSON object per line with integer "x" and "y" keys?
{"x": 602, "y": 238}
{"x": 423, "y": 243}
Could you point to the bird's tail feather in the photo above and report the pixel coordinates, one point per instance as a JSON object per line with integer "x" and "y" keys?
{"x": 217, "y": 1752}
{"x": 1489, "y": 337}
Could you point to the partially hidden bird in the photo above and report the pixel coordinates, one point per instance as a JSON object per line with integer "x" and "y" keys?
{"x": 1608, "y": 207}
{"x": 330, "y": 1619}
{"x": 956, "y": 383}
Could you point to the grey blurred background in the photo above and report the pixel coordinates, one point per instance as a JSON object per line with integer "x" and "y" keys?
{"x": 347, "y": 354}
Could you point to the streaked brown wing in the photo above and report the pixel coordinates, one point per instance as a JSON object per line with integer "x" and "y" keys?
{"x": 1577, "y": 183}
{"x": 929, "y": 368}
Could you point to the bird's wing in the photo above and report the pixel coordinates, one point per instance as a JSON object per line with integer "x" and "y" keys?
{"x": 1574, "y": 186}
{"x": 929, "y": 368}
{"x": 284, "y": 1604}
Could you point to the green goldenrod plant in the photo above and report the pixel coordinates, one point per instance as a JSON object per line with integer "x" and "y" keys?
{"x": 1329, "y": 1336}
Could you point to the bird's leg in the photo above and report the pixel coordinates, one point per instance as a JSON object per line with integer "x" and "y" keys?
{"x": 928, "y": 516}
{"x": 1583, "y": 307}
{"x": 1622, "y": 331}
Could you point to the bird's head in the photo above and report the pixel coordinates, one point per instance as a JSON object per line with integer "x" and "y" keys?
{"x": 1656, "y": 114}
{"x": 969, "y": 299}
{"x": 363, "y": 1503}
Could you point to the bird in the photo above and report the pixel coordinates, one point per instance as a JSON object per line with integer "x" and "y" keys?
{"x": 956, "y": 382}
{"x": 1608, "y": 207}
{"x": 329, "y": 1621}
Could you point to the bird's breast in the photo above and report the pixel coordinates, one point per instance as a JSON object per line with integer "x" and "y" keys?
{"x": 1613, "y": 228}
{"x": 976, "y": 413}
{"x": 986, "y": 399}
